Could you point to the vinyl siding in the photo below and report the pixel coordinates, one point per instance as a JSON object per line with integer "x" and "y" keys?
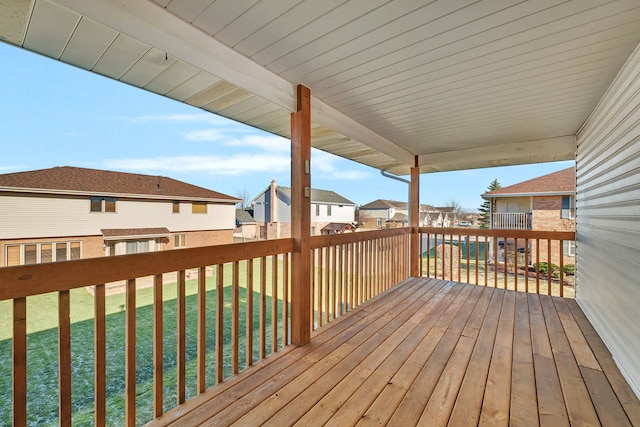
{"x": 38, "y": 216}
{"x": 344, "y": 213}
{"x": 283, "y": 208}
{"x": 608, "y": 219}
{"x": 523, "y": 203}
{"x": 260, "y": 208}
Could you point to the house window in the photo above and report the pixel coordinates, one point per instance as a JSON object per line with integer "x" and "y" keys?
{"x": 569, "y": 247}
{"x": 103, "y": 204}
{"x": 328, "y": 210}
{"x": 37, "y": 253}
{"x": 176, "y": 207}
{"x": 567, "y": 207}
{"x": 317, "y": 210}
{"x": 379, "y": 222}
{"x": 13, "y": 255}
{"x": 199, "y": 207}
{"x": 180, "y": 241}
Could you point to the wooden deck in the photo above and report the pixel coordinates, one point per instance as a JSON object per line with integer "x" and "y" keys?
{"x": 430, "y": 352}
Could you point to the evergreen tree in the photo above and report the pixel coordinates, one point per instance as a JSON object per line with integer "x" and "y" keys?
{"x": 485, "y": 208}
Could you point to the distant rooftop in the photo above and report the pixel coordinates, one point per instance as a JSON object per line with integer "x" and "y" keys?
{"x": 73, "y": 180}
{"x": 561, "y": 182}
{"x": 321, "y": 196}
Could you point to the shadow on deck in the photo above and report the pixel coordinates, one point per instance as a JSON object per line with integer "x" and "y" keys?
{"x": 432, "y": 352}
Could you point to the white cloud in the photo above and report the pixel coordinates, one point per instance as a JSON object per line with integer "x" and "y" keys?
{"x": 328, "y": 166}
{"x": 204, "y": 135}
{"x": 238, "y": 164}
{"x": 264, "y": 142}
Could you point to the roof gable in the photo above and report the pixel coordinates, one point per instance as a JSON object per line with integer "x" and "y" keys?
{"x": 73, "y": 180}
{"x": 561, "y": 182}
{"x": 320, "y": 196}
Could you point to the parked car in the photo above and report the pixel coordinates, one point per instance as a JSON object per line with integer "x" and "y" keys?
{"x": 464, "y": 224}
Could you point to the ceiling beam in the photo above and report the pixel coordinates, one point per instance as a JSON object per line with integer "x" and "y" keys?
{"x": 562, "y": 146}
{"x": 153, "y": 25}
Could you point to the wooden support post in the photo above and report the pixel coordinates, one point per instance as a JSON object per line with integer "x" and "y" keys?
{"x": 414, "y": 206}
{"x": 301, "y": 218}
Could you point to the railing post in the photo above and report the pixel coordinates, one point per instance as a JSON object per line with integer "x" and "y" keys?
{"x": 414, "y": 214}
{"x": 301, "y": 218}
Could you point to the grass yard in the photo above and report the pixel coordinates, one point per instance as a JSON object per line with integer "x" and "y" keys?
{"x": 42, "y": 350}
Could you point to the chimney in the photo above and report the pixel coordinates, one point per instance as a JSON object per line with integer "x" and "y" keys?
{"x": 273, "y": 201}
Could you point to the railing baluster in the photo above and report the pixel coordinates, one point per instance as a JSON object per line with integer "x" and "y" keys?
{"x": 515, "y": 264}
{"x": 549, "y": 268}
{"x": 100, "y": 360}
{"x": 459, "y": 278}
{"x": 477, "y": 282}
{"x": 561, "y": 252}
{"x": 327, "y": 278}
{"x": 64, "y": 356}
{"x": 263, "y": 307}
{"x": 285, "y": 300}
{"x": 495, "y": 262}
{"x": 314, "y": 267}
{"x": 181, "y": 334}
{"x": 506, "y": 263}
{"x": 538, "y": 266}
{"x": 20, "y": 362}
{"x": 334, "y": 277}
{"x": 130, "y": 353}
{"x": 220, "y": 322}
{"x": 158, "y": 346}
{"x": 202, "y": 330}
{"x": 249, "y": 314}
{"x": 235, "y": 316}
{"x": 526, "y": 265}
{"x": 468, "y": 254}
{"x": 274, "y": 304}
{"x": 320, "y": 285}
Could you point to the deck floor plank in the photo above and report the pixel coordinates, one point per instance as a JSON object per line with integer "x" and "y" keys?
{"x": 218, "y": 398}
{"x": 431, "y": 352}
{"x": 551, "y": 408}
{"x": 623, "y": 391}
{"x": 410, "y": 409}
{"x": 466, "y": 410}
{"x": 576, "y": 397}
{"x": 257, "y": 406}
{"x": 383, "y": 407}
{"x": 367, "y": 357}
{"x": 495, "y": 407}
{"x": 363, "y": 384}
{"x": 524, "y": 401}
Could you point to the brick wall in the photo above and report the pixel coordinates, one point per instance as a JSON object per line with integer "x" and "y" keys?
{"x": 204, "y": 238}
{"x": 546, "y": 215}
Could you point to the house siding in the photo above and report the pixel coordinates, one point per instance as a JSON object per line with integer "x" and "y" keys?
{"x": 34, "y": 216}
{"x": 607, "y": 219}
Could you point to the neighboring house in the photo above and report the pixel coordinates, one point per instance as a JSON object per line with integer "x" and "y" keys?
{"x": 383, "y": 213}
{"x": 246, "y": 226}
{"x": 272, "y": 212}
{"x": 66, "y": 213}
{"x": 546, "y": 203}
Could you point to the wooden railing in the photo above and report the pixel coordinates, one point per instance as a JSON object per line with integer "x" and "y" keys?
{"x": 351, "y": 268}
{"x": 183, "y": 321}
{"x": 238, "y": 312}
{"x": 529, "y": 261}
{"x": 511, "y": 221}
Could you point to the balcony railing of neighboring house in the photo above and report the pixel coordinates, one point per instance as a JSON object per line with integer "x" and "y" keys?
{"x": 237, "y": 295}
{"x": 528, "y": 261}
{"x": 511, "y": 221}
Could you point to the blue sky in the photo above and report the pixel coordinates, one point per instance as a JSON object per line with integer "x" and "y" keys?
{"x": 56, "y": 115}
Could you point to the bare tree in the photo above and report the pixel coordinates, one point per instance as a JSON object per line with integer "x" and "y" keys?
{"x": 245, "y": 197}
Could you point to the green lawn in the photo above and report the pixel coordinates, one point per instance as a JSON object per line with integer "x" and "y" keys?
{"x": 42, "y": 349}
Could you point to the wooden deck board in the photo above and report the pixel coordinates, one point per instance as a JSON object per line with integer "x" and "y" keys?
{"x": 434, "y": 353}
